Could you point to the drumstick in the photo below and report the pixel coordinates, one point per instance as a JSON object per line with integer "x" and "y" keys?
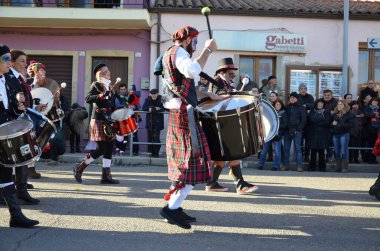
{"x": 206, "y": 11}
{"x": 118, "y": 80}
{"x": 63, "y": 85}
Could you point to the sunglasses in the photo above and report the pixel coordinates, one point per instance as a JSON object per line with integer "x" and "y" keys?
{"x": 5, "y": 58}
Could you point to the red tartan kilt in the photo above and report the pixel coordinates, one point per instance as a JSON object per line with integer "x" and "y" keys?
{"x": 183, "y": 165}
{"x": 96, "y": 130}
{"x": 376, "y": 147}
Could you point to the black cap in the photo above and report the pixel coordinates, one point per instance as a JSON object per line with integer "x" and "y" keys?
{"x": 4, "y": 49}
{"x": 293, "y": 94}
{"x": 98, "y": 67}
{"x": 153, "y": 91}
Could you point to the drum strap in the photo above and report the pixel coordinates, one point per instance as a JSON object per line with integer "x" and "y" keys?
{"x": 193, "y": 129}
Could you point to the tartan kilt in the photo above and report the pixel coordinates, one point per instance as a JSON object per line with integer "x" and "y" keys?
{"x": 96, "y": 130}
{"x": 183, "y": 165}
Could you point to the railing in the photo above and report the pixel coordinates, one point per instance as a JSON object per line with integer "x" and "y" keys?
{"x": 128, "y": 4}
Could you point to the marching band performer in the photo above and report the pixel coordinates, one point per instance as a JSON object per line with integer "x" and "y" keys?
{"x": 187, "y": 150}
{"x": 10, "y": 109}
{"x": 225, "y": 77}
{"x": 16, "y": 75}
{"x": 100, "y": 130}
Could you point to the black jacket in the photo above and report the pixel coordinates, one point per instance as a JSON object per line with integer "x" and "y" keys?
{"x": 296, "y": 117}
{"x": 12, "y": 112}
{"x": 283, "y": 119}
{"x": 330, "y": 105}
{"x": 99, "y": 104}
{"x": 344, "y": 125}
{"x": 367, "y": 91}
{"x": 358, "y": 124}
{"x": 307, "y": 100}
{"x": 154, "y": 119}
{"x": 317, "y": 136}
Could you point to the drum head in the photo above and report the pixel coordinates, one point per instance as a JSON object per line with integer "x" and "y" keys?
{"x": 270, "y": 121}
{"x": 14, "y": 128}
{"x": 233, "y": 102}
{"x": 121, "y": 114}
{"x": 45, "y": 96}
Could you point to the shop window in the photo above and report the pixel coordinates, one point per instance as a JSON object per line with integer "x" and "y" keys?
{"x": 257, "y": 68}
{"x": 316, "y": 78}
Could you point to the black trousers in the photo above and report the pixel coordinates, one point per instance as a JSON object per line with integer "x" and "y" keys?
{"x": 105, "y": 148}
{"x": 321, "y": 159}
{"x": 5, "y": 174}
{"x": 355, "y": 142}
{"x": 154, "y": 137}
{"x": 74, "y": 140}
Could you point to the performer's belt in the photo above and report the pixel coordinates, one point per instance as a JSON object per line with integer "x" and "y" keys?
{"x": 103, "y": 110}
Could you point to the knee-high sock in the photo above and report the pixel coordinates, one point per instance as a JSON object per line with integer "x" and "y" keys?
{"x": 106, "y": 163}
{"x": 235, "y": 171}
{"x": 88, "y": 161}
{"x": 176, "y": 199}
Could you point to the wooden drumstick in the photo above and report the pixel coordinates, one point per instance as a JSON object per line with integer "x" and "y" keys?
{"x": 206, "y": 11}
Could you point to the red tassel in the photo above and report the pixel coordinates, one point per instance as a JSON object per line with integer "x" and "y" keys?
{"x": 175, "y": 189}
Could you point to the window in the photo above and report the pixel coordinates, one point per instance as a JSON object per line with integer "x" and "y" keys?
{"x": 316, "y": 78}
{"x": 257, "y": 68}
{"x": 369, "y": 64}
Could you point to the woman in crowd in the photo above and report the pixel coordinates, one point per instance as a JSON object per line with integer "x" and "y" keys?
{"x": 317, "y": 137}
{"x": 277, "y": 140}
{"x": 372, "y": 124}
{"x": 357, "y": 132}
{"x": 348, "y": 98}
{"x": 341, "y": 126}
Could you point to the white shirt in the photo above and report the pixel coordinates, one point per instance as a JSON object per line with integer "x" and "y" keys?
{"x": 3, "y": 92}
{"x": 17, "y": 74}
{"x": 189, "y": 68}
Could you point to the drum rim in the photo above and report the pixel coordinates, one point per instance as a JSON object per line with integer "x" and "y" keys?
{"x": 120, "y": 109}
{"x": 277, "y": 118}
{"x": 44, "y": 117}
{"x": 19, "y": 133}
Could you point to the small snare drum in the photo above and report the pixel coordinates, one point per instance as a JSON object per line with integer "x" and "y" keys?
{"x": 125, "y": 124}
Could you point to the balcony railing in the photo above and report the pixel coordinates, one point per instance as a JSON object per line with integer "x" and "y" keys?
{"x": 128, "y": 4}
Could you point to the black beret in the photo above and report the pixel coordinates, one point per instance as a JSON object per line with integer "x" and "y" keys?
{"x": 98, "y": 67}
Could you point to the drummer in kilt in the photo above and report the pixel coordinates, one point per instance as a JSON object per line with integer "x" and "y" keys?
{"x": 187, "y": 150}
{"x": 10, "y": 109}
{"x": 225, "y": 76}
{"x": 100, "y": 129}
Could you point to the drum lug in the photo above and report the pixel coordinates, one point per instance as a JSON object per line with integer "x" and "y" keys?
{"x": 25, "y": 149}
{"x": 238, "y": 111}
{"x": 14, "y": 158}
{"x": 9, "y": 143}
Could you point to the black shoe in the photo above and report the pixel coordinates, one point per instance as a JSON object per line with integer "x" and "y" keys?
{"x": 244, "y": 187}
{"x": 215, "y": 187}
{"x": 260, "y": 168}
{"x": 175, "y": 216}
{"x": 18, "y": 219}
{"x": 274, "y": 169}
{"x": 187, "y": 217}
{"x": 154, "y": 155}
{"x": 24, "y": 198}
{"x": 107, "y": 177}
{"x": 29, "y": 186}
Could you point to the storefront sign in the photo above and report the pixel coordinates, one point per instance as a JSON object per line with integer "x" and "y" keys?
{"x": 260, "y": 41}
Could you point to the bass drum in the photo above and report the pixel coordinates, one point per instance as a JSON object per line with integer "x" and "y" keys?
{"x": 231, "y": 128}
{"x": 269, "y": 120}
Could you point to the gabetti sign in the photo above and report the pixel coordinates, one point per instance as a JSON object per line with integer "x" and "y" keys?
{"x": 260, "y": 41}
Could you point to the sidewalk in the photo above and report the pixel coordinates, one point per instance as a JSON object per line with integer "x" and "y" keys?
{"x": 251, "y": 162}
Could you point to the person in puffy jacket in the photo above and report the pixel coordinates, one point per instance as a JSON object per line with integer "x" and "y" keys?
{"x": 357, "y": 132}
{"x": 317, "y": 138}
{"x": 372, "y": 125}
{"x": 341, "y": 125}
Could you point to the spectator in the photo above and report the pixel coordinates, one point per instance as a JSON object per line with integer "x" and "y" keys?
{"x": 348, "y": 99}
{"x": 134, "y": 104}
{"x": 330, "y": 104}
{"x": 341, "y": 126}
{"x": 264, "y": 83}
{"x": 357, "y": 132}
{"x": 75, "y": 121}
{"x": 317, "y": 136}
{"x": 248, "y": 87}
{"x": 369, "y": 90}
{"x": 273, "y": 97}
{"x": 372, "y": 124}
{"x": 203, "y": 85}
{"x": 296, "y": 115}
{"x": 307, "y": 101}
{"x": 272, "y": 87}
{"x": 154, "y": 120}
{"x": 277, "y": 140}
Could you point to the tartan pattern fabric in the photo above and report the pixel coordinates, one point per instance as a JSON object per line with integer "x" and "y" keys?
{"x": 183, "y": 165}
{"x": 26, "y": 90}
{"x": 221, "y": 82}
{"x": 96, "y": 130}
{"x": 184, "y": 87}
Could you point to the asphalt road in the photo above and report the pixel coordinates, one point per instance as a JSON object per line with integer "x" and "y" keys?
{"x": 290, "y": 211}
